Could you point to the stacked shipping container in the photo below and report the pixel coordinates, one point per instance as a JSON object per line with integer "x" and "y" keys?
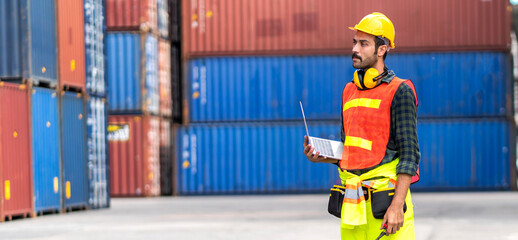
{"x": 16, "y": 186}
{"x": 71, "y": 86}
{"x": 96, "y": 105}
{"x": 37, "y": 37}
{"x": 464, "y": 86}
{"x": 140, "y": 92}
{"x": 46, "y": 150}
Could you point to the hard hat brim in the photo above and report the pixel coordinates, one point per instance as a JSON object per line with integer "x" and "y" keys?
{"x": 391, "y": 45}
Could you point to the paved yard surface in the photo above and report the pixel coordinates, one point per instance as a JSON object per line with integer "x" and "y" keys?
{"x": 440, "y": 216}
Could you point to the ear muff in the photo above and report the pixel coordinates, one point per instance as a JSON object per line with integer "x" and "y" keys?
{"x": 367, "y": 79}
{"x": 358, "y": 77}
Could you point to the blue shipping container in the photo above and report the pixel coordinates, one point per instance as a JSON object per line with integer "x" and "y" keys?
{"x": 467, "y": 84}
{"x": 133, "y": 81}
{"x": 28, "y": 46}
{"x": 97, "y": 147}
{"x": 73, "y": 135}
{"x": 258, "y": 158}
{"x": 251, "y": 158}
{"x": 474, "y": 154}
{"x": 46, "y": 164}
{"x": 94, "y": 47}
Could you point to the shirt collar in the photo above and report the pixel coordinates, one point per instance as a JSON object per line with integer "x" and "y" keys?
{"x": 388, "y": 78}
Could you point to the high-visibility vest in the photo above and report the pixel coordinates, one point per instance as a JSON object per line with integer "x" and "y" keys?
{"x": 366, "y": 121}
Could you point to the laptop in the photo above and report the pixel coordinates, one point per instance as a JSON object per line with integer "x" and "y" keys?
{"x": 328, "y": 148}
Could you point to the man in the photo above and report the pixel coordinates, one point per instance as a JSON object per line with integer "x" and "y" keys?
{"x": 381, "y": 150}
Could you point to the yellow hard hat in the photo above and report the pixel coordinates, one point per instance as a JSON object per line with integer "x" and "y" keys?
{"x": 377, "y": 24}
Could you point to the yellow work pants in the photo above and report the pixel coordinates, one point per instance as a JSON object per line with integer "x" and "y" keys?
{"x": 371, "y": 230}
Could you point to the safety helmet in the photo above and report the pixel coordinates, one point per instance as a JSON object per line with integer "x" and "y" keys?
{"x": 379, "y": 25}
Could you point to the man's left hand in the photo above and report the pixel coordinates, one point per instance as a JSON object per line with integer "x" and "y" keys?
{"x": 394, "y": 218}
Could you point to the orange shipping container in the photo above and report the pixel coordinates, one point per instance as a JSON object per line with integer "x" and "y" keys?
{"x": 15, "y": 152}
{"x": 164, "y": 77}
{"x": 134, "y": 143}
{"x": 259, "y": 27}
{"x": 71, "y": 44}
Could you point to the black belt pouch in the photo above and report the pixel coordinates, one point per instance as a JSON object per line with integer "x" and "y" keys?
{"x": 380, "y": 202}
{"x": 336, "y": 199}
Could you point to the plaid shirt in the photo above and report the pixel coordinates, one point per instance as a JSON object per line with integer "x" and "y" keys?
{"x": 403, "y": 131}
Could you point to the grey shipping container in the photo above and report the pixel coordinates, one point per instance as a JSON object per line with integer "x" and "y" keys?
{"x": 94, "y": 47}
{"x": 97, "y": 150}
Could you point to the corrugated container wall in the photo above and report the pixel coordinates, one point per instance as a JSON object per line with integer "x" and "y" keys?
{"x": 166, "y": 157}
{"x": 132, "y": 67}
{"x": 466, "y": 84}
{"x": 15, "y": 152}
{"x": 225, "y": 159}
{"x": 467, "y": 154}
{"x": 124, "y": 15}
{"x": 94, "y": 47}
{"x": 212, "y": 27}
{"x": 164, "y": 76}
{"x": 71, "y": 44}
{"x": 73, "y": 138}
{"x": 46, "y": 159}
{"x": 97, "y": 147}
{"x": 28, "y": 46}
{"x": 163, "y": 18}
{"x": 134, "y": 155}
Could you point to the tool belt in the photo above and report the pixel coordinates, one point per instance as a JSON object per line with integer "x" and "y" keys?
{"x": 380, "y": 200}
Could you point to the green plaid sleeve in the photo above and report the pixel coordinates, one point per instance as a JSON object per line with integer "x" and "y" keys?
{"x": 404, "y": 127}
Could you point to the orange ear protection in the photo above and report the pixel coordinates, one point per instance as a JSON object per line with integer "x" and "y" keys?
{"x": 367, "y": 79}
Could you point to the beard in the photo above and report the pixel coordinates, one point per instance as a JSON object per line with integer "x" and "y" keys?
{"x": 365, "y": 63}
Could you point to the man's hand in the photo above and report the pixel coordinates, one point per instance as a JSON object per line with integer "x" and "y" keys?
{"x": 316, "y": 158}
{"x": 395, "y": 216}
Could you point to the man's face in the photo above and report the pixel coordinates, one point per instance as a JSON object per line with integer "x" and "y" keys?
{"x": 363, "y": 51}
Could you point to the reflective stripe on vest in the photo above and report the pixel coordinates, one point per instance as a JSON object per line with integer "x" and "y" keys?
{"x": 366, "y": 121}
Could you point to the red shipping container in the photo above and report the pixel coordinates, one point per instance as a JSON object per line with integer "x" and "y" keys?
{"x": 258, "y": 27}
{"x": 15, "y": 152}
{"x": 134, "y": 143}
{"x": 71, "y": 44}
{"x": 164, "y": 77}
{"x": 124, "y": 15}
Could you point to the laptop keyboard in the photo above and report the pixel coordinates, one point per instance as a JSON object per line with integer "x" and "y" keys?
{"x": 323, "y": 146}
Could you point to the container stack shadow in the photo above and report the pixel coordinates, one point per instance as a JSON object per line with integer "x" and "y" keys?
{"x": 248, "y": 64}
{"x": 52, "y": 159}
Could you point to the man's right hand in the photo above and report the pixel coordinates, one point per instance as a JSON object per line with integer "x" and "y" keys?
{"x": 316, "y": 158}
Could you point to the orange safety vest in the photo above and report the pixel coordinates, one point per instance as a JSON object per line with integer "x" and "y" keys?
{"x": 366, "y": 120}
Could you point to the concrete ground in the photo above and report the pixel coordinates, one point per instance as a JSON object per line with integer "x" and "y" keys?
{"x": 487, "y": 215}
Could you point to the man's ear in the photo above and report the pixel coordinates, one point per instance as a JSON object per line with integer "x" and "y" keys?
{"x": 382, "y": 50}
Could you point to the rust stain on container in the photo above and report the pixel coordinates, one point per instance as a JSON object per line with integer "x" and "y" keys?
{"x": 71, "y": 44}
{"x": 131, "y": 15}
{"x": 270, "y": 27}
{"x": 134, "y": 155}
{"x": 164, "y": 77}
{"x": 15, "y": 152}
